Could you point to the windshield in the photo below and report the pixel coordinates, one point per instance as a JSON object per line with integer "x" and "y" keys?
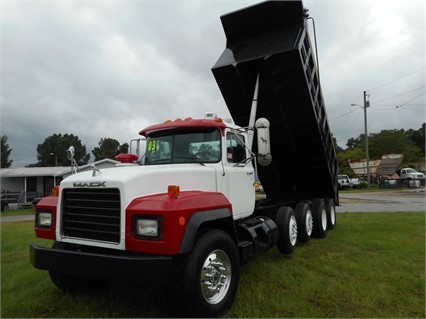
{"x": 410, "y": 170}
{"x": 167, "y": 147}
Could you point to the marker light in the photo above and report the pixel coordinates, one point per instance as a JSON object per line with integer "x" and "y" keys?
{"x": 127, "y": 158}
{"x": 56, "y": 191}
{"x": 173, "y": 191}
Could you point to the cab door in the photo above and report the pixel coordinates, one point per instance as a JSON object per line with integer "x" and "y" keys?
{"x": 239, "y": 175}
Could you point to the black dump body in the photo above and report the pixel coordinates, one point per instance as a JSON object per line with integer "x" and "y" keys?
{"x": 271, "y": 39}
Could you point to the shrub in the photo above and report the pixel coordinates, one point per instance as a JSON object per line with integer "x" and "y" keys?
{"x": 363, "y": 185}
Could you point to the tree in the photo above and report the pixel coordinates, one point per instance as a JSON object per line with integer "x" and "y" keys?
{"x": 53, "y": 151}
{"x": 349, "y": 155}
{"x": 393, "y": 142}
{"x": 356, "y": 142}
{"x": 123, "y": 148}
{"x": 418, "y": 137}
{"x": 337, "y": 148}
{"x": 384, "y": 142}
{"x": 5, "y": 152}
{"x": 108, "y": 148}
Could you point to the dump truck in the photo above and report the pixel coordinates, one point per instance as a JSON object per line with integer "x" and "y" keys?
{"x": 184, "y": 213}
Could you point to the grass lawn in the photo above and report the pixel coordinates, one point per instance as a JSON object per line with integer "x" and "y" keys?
{"x": 374, "y": 189}
{"x": 371, "y": 265}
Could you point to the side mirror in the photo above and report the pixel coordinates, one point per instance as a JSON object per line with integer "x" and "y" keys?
{"x": 263, "y": 142}
{"x": 70, "y": 153}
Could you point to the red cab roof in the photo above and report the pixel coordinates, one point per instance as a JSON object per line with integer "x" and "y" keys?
{"x": 187, "y": 123}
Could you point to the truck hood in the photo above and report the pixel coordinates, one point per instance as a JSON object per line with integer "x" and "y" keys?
{"x": 135, "y": 181}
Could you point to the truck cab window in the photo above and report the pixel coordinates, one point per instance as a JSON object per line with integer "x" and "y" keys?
{"x": 158, "y": 150}
{"x": 200, "y": 146}
{"x": 235, "y": 149}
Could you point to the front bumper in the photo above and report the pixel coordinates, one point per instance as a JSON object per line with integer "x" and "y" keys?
{"x": 147, "y": 269}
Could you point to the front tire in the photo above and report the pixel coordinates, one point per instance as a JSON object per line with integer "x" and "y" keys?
{"x": 211, "y": 276}
{"x": 72, "y": 284}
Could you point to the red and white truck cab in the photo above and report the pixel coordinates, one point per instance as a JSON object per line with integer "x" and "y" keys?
{"x": 140, "y": 218}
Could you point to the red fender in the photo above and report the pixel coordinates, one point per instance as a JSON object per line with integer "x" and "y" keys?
{"x": 174, "y": 213}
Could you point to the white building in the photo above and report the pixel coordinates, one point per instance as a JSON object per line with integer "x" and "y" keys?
{"x": 32, "y": 182}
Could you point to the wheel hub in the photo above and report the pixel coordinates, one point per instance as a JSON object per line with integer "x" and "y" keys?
{"x": 324, "y": 219}
{"x": 293, "y": 230}
{"x": 333, "y": 215}
{"x": 309, "y": 223}
{"x": 216, "y": 276}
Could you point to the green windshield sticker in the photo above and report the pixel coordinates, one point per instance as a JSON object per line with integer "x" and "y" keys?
{"x": 152, "y": 146}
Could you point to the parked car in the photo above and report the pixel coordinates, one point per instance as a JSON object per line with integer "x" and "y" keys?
{"x": 410, "y": 173}
{"x": 346, "y": 182}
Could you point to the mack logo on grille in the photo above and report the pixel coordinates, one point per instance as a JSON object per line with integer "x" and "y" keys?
{"x": 91, "y": 184}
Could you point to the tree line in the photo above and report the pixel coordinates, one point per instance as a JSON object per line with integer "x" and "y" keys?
{"x": 52, "y": 152}
{"x": 411, "y": 143}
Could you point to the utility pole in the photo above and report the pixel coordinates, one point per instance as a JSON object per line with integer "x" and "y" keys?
{"x": 367, "y": 156}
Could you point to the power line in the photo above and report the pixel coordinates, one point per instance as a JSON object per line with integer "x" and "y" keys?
{"x": 379, "y": 87}
{"x": 393, "y": 106}
{"x": 353, "y": 122}
{"x": 411, "y": 99}
{"x": 343, "y": 115}
{"x": 392, "y": 97}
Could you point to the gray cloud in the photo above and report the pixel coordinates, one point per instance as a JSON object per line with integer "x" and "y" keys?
{"x": 108, "y": 69}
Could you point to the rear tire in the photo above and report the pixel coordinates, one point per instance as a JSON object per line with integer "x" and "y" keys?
{"x": 287, "y": 229}
{"x": 319, "y": 215}
{"x": 331, "y": 213}
{"x": 211, "y": 275}
{"x": 304, "y": 222}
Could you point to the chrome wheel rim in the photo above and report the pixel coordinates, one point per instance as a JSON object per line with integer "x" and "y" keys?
{"x": 216, "y": 276}
{"x": 293, "y": 230}
{"x": 309, "y": 223}
{"x": 324, "y": 219}
{"x": 333, "y": 215}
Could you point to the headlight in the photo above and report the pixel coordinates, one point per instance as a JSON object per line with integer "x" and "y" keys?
{"x": 147, "y": 227}
{"x": 44, "y": 219}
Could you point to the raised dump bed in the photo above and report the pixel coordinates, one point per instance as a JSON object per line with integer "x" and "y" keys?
{"x": 271, "y": 39}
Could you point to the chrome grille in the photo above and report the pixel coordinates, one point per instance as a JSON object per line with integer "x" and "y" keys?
{"x": 91, "y": 213}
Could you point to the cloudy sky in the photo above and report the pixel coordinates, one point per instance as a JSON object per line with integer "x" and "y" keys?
{"x": 109, "y": 68}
